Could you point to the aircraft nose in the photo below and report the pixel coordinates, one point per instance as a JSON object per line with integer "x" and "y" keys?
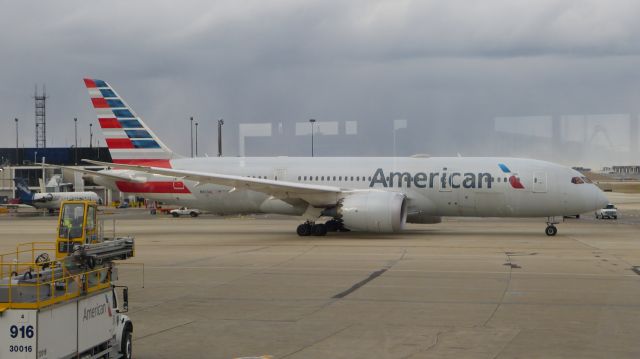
{"x": 600, "y": 199}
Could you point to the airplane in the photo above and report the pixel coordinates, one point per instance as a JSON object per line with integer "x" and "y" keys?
{"x": 370, "y": 194}
{"x": 50, "y": 201}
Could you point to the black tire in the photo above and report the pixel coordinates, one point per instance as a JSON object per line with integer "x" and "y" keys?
{"x": 175, "y": 214}
{"x": 126, "y": 346}
{"x": 615, "y": 217}
{"x": 332, "y": 225}
{"x": 304, "y": 230}
{"x": 551, "y": 231}
{"x": 193, "y": 214}
{"x": 319, "y": 230}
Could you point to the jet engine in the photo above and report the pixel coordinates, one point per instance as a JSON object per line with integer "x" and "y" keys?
{"x": 373, "y": 211}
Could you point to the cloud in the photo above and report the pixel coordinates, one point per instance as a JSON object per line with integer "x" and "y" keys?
{"x": 449, "y": 67}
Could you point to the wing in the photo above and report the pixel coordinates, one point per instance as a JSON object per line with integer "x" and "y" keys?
{"x": 128, "y": 177}
{"x": 316, "y": 195}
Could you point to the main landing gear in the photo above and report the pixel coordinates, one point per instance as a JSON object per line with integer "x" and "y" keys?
{"x": 310, "y": 228}
{"x": 551, "y": 229}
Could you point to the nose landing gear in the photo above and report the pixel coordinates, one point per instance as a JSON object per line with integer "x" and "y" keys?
{"x": 551, "y": 229}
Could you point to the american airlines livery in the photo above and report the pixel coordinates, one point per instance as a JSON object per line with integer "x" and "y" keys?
{"x": 352, "y": 193}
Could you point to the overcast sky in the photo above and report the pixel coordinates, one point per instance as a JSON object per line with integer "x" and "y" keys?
{"x": 447, "y": 66}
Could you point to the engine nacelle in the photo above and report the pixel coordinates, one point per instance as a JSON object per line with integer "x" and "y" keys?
{"x": 373, "y": 211}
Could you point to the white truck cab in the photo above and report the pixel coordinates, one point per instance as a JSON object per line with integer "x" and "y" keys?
{"x": 184, "y": 211}
{"x": 609, "y": 211}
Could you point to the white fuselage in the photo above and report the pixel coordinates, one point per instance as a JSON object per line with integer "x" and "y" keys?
{"x": 53, "y": 200}
{"x": 436, "y": 186}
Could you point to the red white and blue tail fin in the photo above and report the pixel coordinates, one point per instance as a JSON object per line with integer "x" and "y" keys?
{"x": 130, "y": 140}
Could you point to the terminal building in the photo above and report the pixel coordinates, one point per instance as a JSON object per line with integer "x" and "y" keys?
{"x": 27, "y": 163}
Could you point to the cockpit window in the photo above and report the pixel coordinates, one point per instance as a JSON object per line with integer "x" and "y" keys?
{"x": 586, "y": 180}
{"x": 577, "y": 180}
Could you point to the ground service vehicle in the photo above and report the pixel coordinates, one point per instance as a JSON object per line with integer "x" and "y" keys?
{"x": 609, "y": 211}
{"x": 66, "y": 307}
{"x": 184, "y": 211}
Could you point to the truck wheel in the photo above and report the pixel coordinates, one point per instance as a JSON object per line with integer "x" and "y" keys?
{"x": 193, "y": 214}
{"x": 127, "y": 345}
{"x": 175, "y": 214}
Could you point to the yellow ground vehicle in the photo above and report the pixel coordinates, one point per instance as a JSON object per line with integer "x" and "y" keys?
{"x": 66, "y": 307}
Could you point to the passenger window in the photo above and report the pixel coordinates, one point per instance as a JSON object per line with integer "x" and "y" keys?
{"x": 316, "y": 178}
{"x": 334, "y": 178}
{"x": 352, "y": 178}
{"x": 358, "y": 178}
{"x": 340, "y": 178}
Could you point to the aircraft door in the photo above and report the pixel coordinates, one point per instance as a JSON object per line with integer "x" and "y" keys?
{"x": 280, "y": 174}
{"x": 539, "y": 182}
{"x": 446, "y": 185}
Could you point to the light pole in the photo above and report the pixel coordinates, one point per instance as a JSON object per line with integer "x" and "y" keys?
{"x": 191, "y": 138}
{"x": 196, "y": 139}
{"x": 17, "y": 148}
{"x": 75, "y": 130}
{"x": 312, "y": 121}
{"x": 220, "y": 123}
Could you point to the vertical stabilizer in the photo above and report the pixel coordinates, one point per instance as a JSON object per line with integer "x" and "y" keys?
{"x": 23, "y": 191}
{"x": 129, "y": 139}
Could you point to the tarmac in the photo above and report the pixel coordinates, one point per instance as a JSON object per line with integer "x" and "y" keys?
{"x": 216, "y": 287}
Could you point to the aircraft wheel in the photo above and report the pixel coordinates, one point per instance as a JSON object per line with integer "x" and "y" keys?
{"x": 551, "y": 231}
{"x": 304, "y": 230}
{"x": 332, "y": 225}
{"x": 319, "y": 230}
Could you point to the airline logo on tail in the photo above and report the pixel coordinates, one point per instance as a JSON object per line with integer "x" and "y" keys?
{"x": 129, "y": 140}
{"x": 24, "y": 193}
